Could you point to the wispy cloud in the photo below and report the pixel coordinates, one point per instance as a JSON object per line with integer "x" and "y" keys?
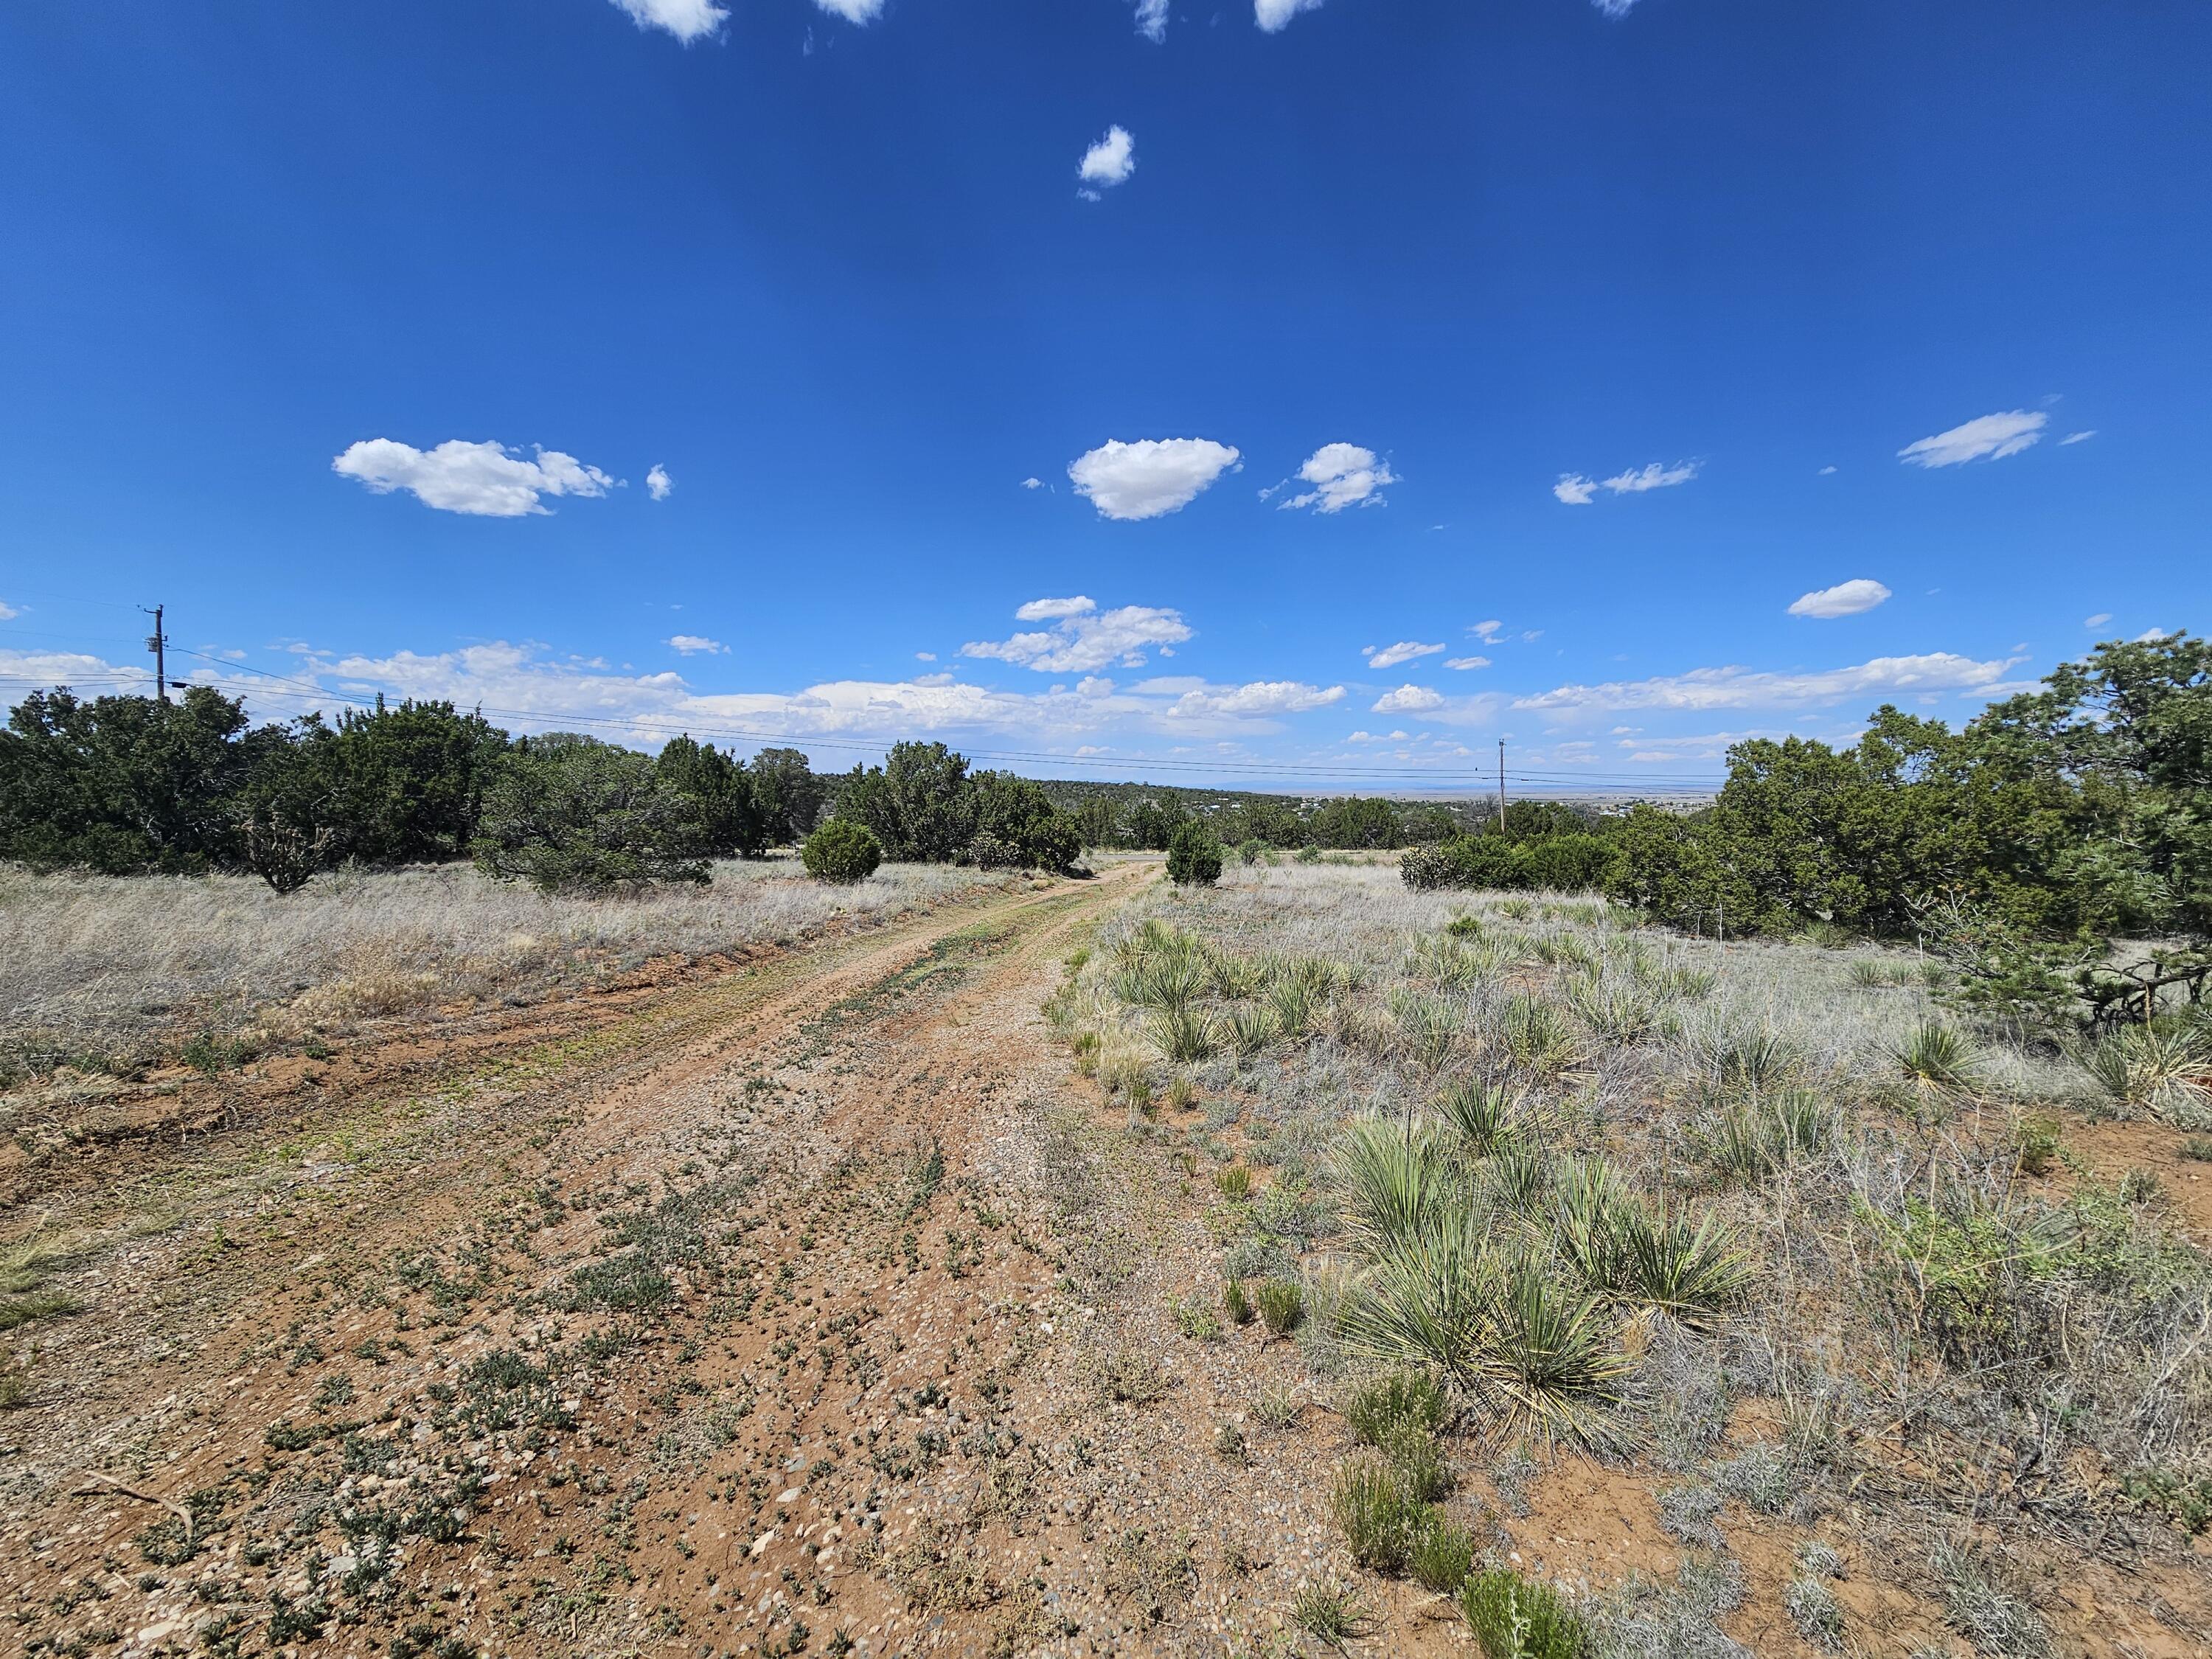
{"x": 1082, "y": 638}
{"x": 1152, "y": 20}
{"x": 1742, "y": 688}
{"x": 488, "y": 480}
{"x": 853, "y": 11}
{"x": 1149, "y": 477}
{"x": 1466, "y": 662}
{"x": 697, "y": 645}
{"x": 2077, "y": 437}
{"x": 1576, "y": 490}
{"x": 1990, "y": 437}
{"x": 1391, "y": 655}
{"x": 687, "y": 20}
{"x": 1844, "y": 599}
{"x": 657, "y": 483}
{"x": 2097, "y": 621}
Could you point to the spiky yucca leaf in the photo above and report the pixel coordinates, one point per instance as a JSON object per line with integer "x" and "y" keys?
{"x": 1394, "y": 1177}
{"x": 1185, "y": 1035}
{"x": 1550, "y": 1365}
{"x": 1537, "y": 1035}
{"x": 1292, "y": 1002}
{"x": 1250, "y": 1029}
{"x": 2161, "y": 1067}
{"x": 1485, "y": 1117}
{"x": 1938, "y": 1056}
{"x": 1663, "y": 1262}
{"x": 1517, "y": 1178}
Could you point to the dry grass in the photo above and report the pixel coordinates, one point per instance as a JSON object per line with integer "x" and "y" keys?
{"x": 105, "y": 972}
{"x": 1771, "y": 1172}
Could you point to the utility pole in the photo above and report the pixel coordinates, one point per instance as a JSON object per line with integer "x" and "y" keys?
{"x": 1501, "y": 786}
{"x": 154, "y": 642}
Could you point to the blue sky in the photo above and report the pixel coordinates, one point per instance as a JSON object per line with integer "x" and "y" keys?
{"x": 1394, "y": 376}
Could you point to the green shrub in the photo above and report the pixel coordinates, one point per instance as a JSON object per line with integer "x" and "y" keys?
{"x": 1512, "y": 1618}
{"x": 574, "y": 814}
{"x": 2035, "y": 1139}
{"x": 1193, "y": 856}
{"x": 842, "y": 852}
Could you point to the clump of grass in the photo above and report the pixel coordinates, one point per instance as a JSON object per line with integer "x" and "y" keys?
{"x": 1936, "y": 1056}
{"x": 1198, "y": 1321}
{"x": 1278, "y": 1407}
{"x": 1997, "y": 1622}
{"x": 1229, "y": 1443}
{"x": 1234, "y": 1182}
{"x": 1747, "y": 1141}
{"x": 2198, "y": 1147}
{"x": 25, "y": 1266}
{"x": 1813, "y": 1607}
{"x": 1444, "y": 1554}
{"x": 1127, "y": 1378}
{"x": 1281, "y": 1303}
{"x": 1383, "y": 1406}
{"x": 1514, "y": 1618}
{"x": 1329, "y": 1616}
{"x": 1180, "y": 1095}
{"x": 1380, "y": 1517}
{"x": 1236, "y": 1303}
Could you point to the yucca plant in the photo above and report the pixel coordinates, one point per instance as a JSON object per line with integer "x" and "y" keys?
{"x": 1867, "y": 974}
{"x": 1185, "y": 1035}
{"x": 1427, "y": 1030}
{"x": 1234, "y": 976}
{"x": 1616, "y": 1012}
{"x": 1249, "y": 1028}
{"x": 1938, "y": 1056}
{"x": 1483, "y": 1117}
{"x": 1394, "y": 1176}
{"x": 1754, "y": 1061}
{"x": 1550, "y": 1365}
{"x": 1748, "y": 1141}
{"x": 2163, "y": 1067}
{"x": 1517, "y": 1178}
{"x": 1292, "y": 1001}
{"x": 1664, "y": 1263}
{"x": 1538, "y": 1036}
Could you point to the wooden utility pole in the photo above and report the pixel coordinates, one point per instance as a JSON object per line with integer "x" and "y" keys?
{"x": 154, "y": 642}
{"x": 1501, "y": 786}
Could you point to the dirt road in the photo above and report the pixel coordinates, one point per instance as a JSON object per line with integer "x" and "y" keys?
{"x": 750, "y": 1319}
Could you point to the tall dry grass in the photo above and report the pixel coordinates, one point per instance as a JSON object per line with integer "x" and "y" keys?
{"x": 116, "y": 972}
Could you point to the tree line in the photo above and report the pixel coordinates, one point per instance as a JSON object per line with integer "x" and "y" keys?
{"x": 128, "y": 785}
{"x": 2018, "y": 845}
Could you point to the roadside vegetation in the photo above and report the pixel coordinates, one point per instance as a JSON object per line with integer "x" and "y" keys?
{"x": 1785, "y": 1231}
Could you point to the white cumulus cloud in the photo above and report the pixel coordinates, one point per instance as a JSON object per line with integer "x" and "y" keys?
{"x": 657, "y": 483}
{"x": 1844, "y": 599}
{"x": 687, "y": 20}
{"x": 1405, "y": 651}
{"x": 853, "y": 11}
{"x": 1408, "y": 700}
{"x": 1110, "y": 160}
{"x": 1261, "y": 697}
{"x": 1033, "y": 484}
{"x": 8, "y": 612}
{"x": 1992, "y": 437}
{"x": 697, "y": 645}
{"x": 1487, "y": 631}
{"x": 1152, "y": 476}
{"x": 1274, "y": 16}
{"x": 487, "y": 479}
{"x": 1575, "y": 489}
{"x": 1082, "y": 638}
{"x": 1742, "y": 688}
{"x": 1343, "y": 475}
